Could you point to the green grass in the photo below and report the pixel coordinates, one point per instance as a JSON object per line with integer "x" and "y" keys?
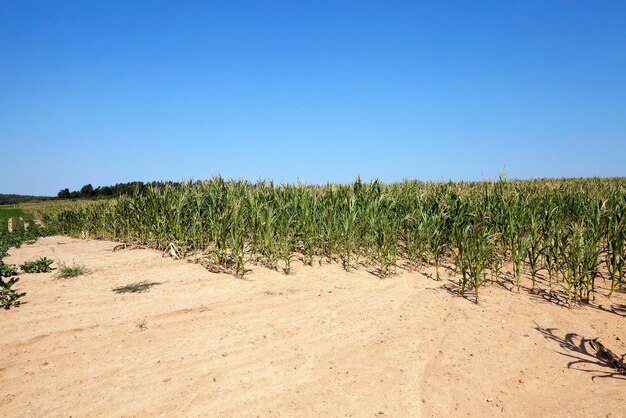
{"x": 138, "y": 287}
{"x": 67, "y": 271}
{"x": 10, "y": 211}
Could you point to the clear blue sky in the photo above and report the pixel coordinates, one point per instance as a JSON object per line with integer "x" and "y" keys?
{"x": 106, "y": 92}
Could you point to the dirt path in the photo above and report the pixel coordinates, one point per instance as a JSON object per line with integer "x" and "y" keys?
{"x": 319, "y": 342}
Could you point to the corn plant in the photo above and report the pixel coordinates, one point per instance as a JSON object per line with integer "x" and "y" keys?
{"x": 533, "y": 249}
{"x": 480, "y": 252}
{"x": 571, "y": 228}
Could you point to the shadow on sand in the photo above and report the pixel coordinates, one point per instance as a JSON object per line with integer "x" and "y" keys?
{"x": 559, "y": 298}
{"x": 577, "y": 348}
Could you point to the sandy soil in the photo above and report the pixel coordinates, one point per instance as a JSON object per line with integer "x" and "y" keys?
{"x": 319, "y": 342}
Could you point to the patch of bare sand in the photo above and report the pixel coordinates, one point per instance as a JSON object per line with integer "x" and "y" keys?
{"x": 318, "y": 342}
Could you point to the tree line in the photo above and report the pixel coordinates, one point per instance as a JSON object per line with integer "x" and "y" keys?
{"x": 18, "y": 198}
{"x": 119, "y": 189}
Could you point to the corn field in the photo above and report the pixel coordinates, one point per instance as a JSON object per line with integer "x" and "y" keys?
{"x": 565, "y": 232}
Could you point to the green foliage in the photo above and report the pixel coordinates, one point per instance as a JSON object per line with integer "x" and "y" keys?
{"x": 138, "y": 287}
{"x": 565, "y": 227}
{"x": 40, "y": 265}
{"x": 67, "y": 271}
{"x": 8, "y": 296}
{"x": 7, "y": 270}
{"x": 23, "y": 229}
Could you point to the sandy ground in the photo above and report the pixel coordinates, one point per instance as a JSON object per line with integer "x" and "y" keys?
{"x": 319, "y": 342}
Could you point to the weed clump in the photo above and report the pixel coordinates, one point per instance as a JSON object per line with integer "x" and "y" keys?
{"x": 67, "y": 271}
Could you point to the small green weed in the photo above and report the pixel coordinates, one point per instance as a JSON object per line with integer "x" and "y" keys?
{"x": 40, "y": 265}
{"x": 8, "y": 296}
{"x": 142, "y": 324}
{"x": 66, "y": 271}
{"x": 138, "y": 287}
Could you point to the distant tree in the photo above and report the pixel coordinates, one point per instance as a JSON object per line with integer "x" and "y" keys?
{"x": 64, "y": 193}
{"x": 106, "y": 191}
{"x": 86, "y": 190}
